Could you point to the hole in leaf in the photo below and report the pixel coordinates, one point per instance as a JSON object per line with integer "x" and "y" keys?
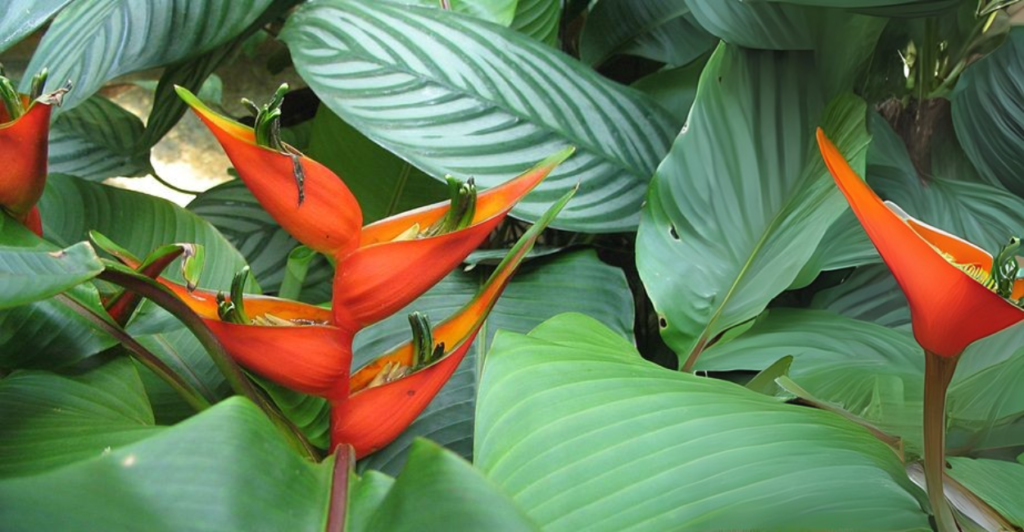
{"x": 672, "y": 231}
{"x": 662, "y": 322}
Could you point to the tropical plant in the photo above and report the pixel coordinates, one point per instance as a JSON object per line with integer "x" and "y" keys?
{"x": 628, "y": 220}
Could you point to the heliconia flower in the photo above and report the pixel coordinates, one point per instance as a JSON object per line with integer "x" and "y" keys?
{"x": 387, "y": 272}
{"x": 381, "y": 267}
{"x": 24, "y": 130}
{"x": 388, "y": 394}
{"x": 290, "y": 343}
{"x": 320, "y": 211}
{"x": 949, "y": 282}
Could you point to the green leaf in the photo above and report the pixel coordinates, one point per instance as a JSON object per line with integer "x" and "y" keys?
{"x": 27, "y": 276}
{"x": 97, "y": 140}
{"x": 236, "y": 214}
{"x": 886, "y": 8}
{"x": 94, "y": 41}
{"x": 383, "y": 184}
{"x": 743, "y": 198}
{"x": 365, "y": 495}
{"x": 450, "y": 111}
{"x": 21, "y": 17}
{"x": 500, "y": 12}
{"x": 987, "y": 114}
{"x": 139, "y": 222}
{"x": 868, "y": 370}
{"x": 539, "y": 20}
{"x": 180, "y": 350}
{"x": 844, "y": 245}
{"x": 225, "y": 469}
{"x": 756, "y": 24}
{"x": 673, "y": 88}
{"x": 871, "y": 294}
{"x": 582, "y": 432}
{"x": 47, "y": 334}
{"x": 978, "y": 212}
{"x": 437, "y": 490}
{"x": 575, "y": 281}
{"x": 640, "y": 27}
{"x": 49, "y": 420}
{"x": 997, "y": 482}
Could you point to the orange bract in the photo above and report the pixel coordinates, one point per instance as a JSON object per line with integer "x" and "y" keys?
{"x": 23, "y": 150}
{"x": 948, "y": 308}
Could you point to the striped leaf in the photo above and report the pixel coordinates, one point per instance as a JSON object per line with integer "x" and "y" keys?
{"x": 756, "y": 24}
{"x": 19, "y": 18}
{"x": 93, "y": 41}
{"x": 97, "y": 140}
{"x": 455, "y": 95}
{"x": 28, "y": 275}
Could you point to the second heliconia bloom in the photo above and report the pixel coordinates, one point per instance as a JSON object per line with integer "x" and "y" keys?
{"x": 956, "y": 291}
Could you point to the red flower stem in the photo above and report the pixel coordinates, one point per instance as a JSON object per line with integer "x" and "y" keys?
{"x": 938, "y": 372}
{"x": 344, "y": 457}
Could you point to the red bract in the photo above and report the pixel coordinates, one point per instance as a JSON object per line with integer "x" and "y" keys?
{"x": 949, "y": 308}
{"x": 380, "y": 269}
{"x": 23, "y": 150}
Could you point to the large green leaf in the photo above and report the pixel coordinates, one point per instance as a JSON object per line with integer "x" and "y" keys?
{"x": 743, "y": 198}
{"x": 871, "y": 371}
{"x": 878, "y": 374}
{"x": 233, "y": 210}
{"x": 48, "y": 334}
{"x": 988, "y": 115}
{"x": 998, "y": 483}
{"x": 583, "y": 433}
{"x": 139, "y": 222}
{"x": 870, "y": 293}
{"x": 575, "y": 281}
{"x": 180, "y": 350}
{"x": 886, "y": 8}
{"x": 21, "y": 17}
{"x": 49, "y": 420}
{"x": 32, "y": 275}
{"x": 673, "y": 88}
{"x": 438, "y": 490}
{"x": 756, "y": 24}
{"x": 383, "y": 184}
{"x": 979, "y": 212}
{"x": 636, "y": 27}
{"x": 225, "y": 469}
{"x": 93, "y": 41}
{"x": 538, "y": 19}
{"x": 454, "y": 95}
{"x": 97, "y": 140}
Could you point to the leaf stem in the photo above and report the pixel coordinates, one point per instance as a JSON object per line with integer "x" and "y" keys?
{"x": 233, "y": 374}
{"x": 938, "y": 372}
{"x": 140, "y": 353}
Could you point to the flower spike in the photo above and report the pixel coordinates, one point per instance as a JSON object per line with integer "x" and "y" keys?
{"x": 951, "y": 304}
{"x": 326, "y": 216}
{"x": 377, "y": 412}
{"x": 388, "y": 271}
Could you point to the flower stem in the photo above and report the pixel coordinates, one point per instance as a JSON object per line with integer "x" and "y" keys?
{"x": 938, "y": 371}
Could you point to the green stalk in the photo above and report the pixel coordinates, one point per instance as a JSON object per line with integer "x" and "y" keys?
{"x": 140, "y": 353}
{"x": 938, "y": 372}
